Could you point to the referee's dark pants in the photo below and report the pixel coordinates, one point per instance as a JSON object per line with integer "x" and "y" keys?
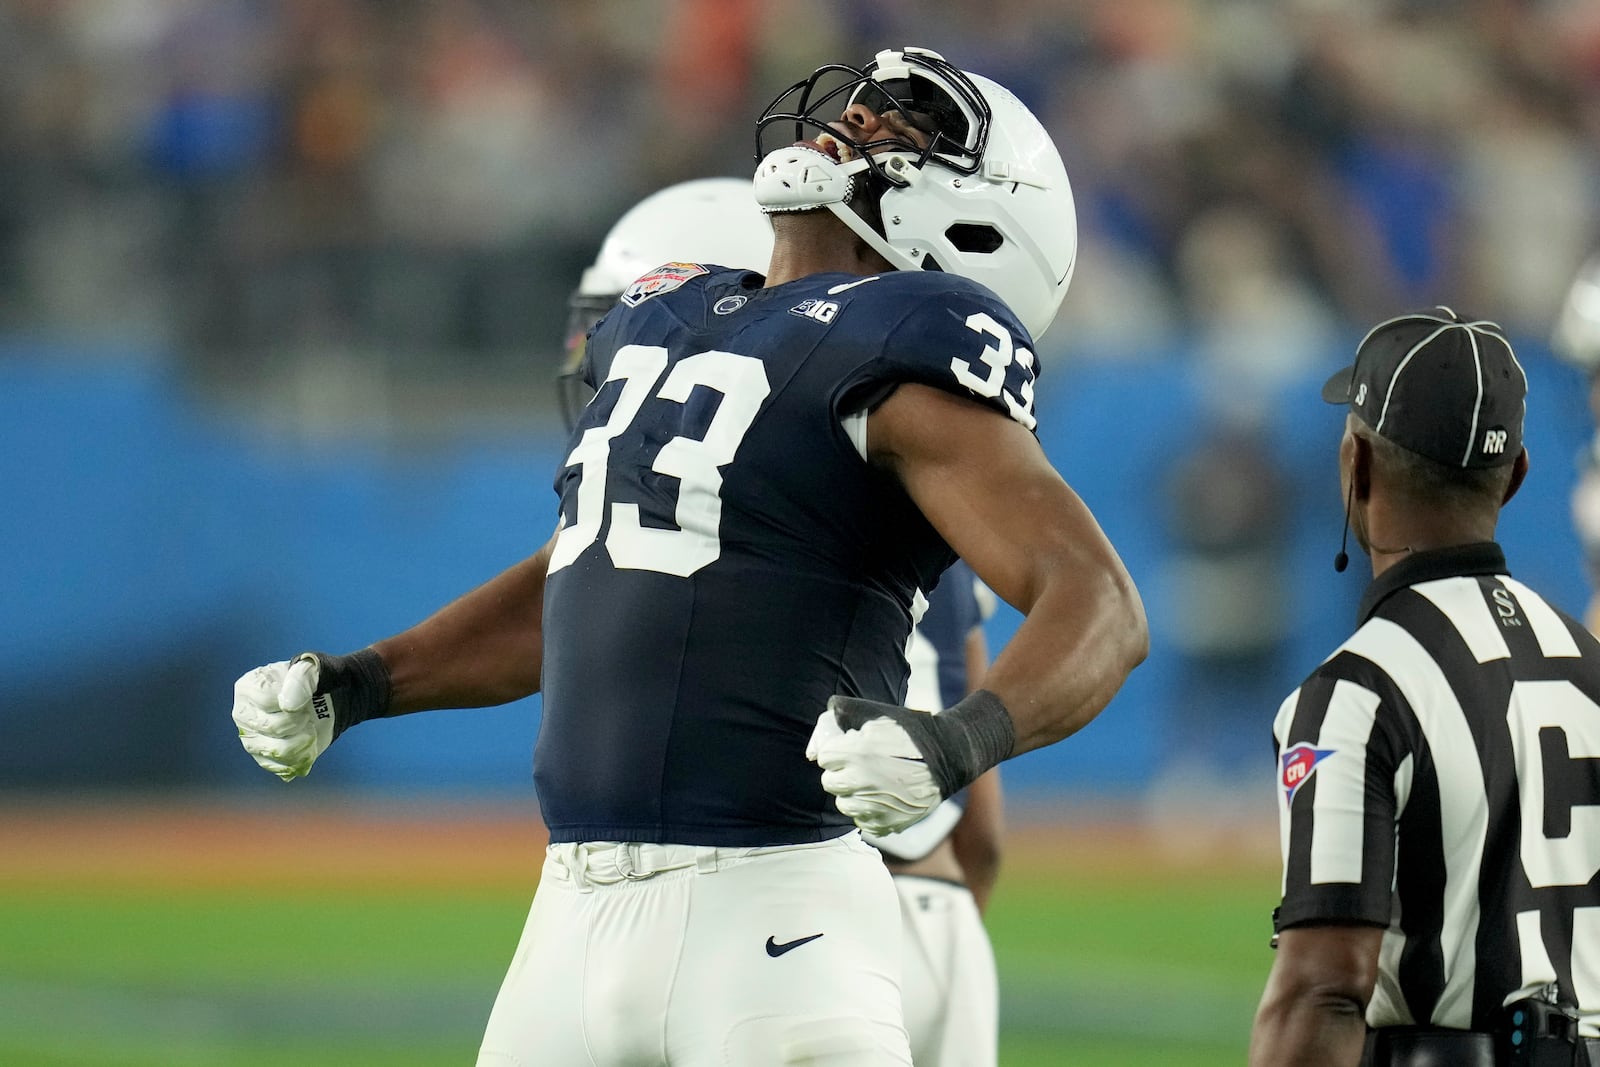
{"x": 1426, "y": 1046}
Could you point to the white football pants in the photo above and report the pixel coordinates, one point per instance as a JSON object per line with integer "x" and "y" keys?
{"x": 640, "y": 955}
{"x": 951, "y": 993}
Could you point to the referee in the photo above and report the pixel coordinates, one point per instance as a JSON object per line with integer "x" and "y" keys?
{"x": 1439, "y": 774}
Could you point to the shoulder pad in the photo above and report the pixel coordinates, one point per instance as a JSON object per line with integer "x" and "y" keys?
{"x": 955, "y": 334}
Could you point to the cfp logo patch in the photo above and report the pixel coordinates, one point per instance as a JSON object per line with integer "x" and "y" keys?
{"x": 822, "y": 311}
{"x": 1298, "y": 764}
{"x": 663, "y": 279}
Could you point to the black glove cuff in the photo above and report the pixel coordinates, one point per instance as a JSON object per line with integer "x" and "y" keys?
{"x": 971, "y": 736}
{"x": 958, "y": 744}
{"x": 358, "y": 684}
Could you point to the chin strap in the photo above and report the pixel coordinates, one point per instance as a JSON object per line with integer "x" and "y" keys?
{"x": 897, "y": 259}
{"x": 799, "y": 178}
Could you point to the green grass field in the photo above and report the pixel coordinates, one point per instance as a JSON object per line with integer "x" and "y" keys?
{"x": 1102, "y": 963}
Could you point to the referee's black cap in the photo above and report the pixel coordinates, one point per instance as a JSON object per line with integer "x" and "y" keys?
{"x": 1439, "y": 385}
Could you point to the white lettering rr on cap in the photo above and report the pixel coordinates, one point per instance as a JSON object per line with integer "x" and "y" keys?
{"x": 1494, "y": 442}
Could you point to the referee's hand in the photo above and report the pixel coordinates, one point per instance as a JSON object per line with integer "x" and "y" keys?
{"x": 874, "y": 770}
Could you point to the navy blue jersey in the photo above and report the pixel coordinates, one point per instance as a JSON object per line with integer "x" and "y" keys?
{"x": 727, "y": 559}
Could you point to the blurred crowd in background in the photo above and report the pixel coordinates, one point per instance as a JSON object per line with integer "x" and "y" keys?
{"x": 336, "y": 219}
{"x": 413, "y": 185}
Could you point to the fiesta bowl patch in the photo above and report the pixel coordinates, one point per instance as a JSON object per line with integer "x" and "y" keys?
{"x": 663, "y": 279}
{"x": 1298, "y": 763}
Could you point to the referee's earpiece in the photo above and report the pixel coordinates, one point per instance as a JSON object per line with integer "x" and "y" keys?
{"x": 1342, "y": 560}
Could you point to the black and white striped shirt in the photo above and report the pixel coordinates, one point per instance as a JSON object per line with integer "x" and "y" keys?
{"x": 1439, "y": 775}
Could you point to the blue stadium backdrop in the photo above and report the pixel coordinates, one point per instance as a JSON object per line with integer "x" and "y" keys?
{"x": 151, "y": 550}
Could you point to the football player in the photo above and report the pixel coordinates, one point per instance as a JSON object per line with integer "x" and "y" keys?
{"x": 768, "y": 472}
{"x": 945, "y": 866}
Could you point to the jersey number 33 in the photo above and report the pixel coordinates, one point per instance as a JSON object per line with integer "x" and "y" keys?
{"x": 696, "y": 463}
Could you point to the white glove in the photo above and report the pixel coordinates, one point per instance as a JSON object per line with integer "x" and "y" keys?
{"x": 876, "y": 774}
{"x": 279, "y": 723}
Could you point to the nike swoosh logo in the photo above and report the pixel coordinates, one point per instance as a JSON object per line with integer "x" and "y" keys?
{"x": 837, "y": 289}
{"x": 775, "y": 950}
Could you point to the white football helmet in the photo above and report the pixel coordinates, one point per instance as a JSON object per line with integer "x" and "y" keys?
{"x": 706, "y": 220}
{"x": 988, "y": 197}
{"x": 1576, "y": 338}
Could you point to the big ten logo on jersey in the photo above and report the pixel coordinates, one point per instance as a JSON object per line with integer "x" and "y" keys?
{"x": 1505, "y": 607}
{"x": 821, "y": 311}
{"x": 1007, "y": 362}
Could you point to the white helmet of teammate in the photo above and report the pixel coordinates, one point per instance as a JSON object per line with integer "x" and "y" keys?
{"x": 988, "y": 197}
{"x": 707, "y": 220}
{"x": 1576, "y": 338}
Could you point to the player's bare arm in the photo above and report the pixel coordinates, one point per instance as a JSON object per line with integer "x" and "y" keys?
{"x": 1314, "y": 1009}
{"x": 975, "y": 654}
{"x": 976, "y": 838}
{"x": 988, "y": 488}
{"x": 982, "y": 480}
{"x": 483, "y": 649}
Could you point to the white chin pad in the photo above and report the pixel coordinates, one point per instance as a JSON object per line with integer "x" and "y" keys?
{"x": 798, "y": 178}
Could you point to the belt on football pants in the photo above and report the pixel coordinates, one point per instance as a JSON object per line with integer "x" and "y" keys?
{"x": 601, "y": 863}
{"x": 596, "y": 863}
{"x": 1426, "y": 1046}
